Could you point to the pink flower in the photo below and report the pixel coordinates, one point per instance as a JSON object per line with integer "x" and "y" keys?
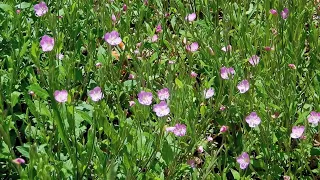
{"x": 227, "y": 48}
{"x": 222, "y": 108}
{"x": 297, "y": 132}
{"x": 225, "y": 72}
{"x": 98, "y": 65}
{"x": 113, "y": 38}
{"x": 158, "y": 28}
{"x": 61, "y": 96}
{"x": 131, "y": 103}
{"x": 224, "y": 129}
{"x": 292, "y": 66}
{"x": 191, "y": 163}
{"x": 286, "y": 177}
{"x": 47, "y": 43}
{"x": 285, "y": 13}
{"x": 18, "y": 161}
{"x": 131, "y": 76}
{"x": 60, "y": 56}
{"x": 243, "y": 86}
{"x": 191, "y": 17}
{"x": 208, "y": 93}
{"x": 314, "y": 118}
{"x": 209, "y": 138}
{"x": 18, "y": 11}
{"x": 96, "y": 94}
{"x": 40, "y": 9}
{"x": 154, "y": 38}
{"x": 124, "y": 8}
{"x": 253, "y": 120}
{"x": 192, "y": 47}
{"x": 180, "y": 130}
{"x": 200, "y": 149}
{"x": 268, "y": 48}
{"x": 273, "y": 12}
{"x": 161, "y": 109}
{"x": 170, "y": 129}
{"x": 243, "y": 160}
{"x": 113, "y": 18}
{"x": 254, "y": 60}
{"x": 193, "y": 74}
{"x": 145, "y": 98}
{"x": 163, "y": 94}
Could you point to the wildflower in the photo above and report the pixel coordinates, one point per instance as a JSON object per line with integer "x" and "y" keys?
{"x": 163, "y": 94}
{"x": 243, "y": 160}
{"x": 222, "y": 108}
{"x": 208, "y": 93}
{"x": 297, "y": 132}
{"x": 96, "y": 94}
{"x": 273, "y": 12}
{"x": 200, "y": 149}
{"x": 191, "y": 163}
{"x": 275, "y": 115}
{"x": 98, "y": 65}
{"x": 193, "y": 74}
{"x": 131, "y": 76}
{"x": 209, "y": 138}
{"x": 145, "y": 2}
{"x": 154, "y": 38}
{"x": 286, "y": 177}
{"x": 113, "y": 18}
{"x": 40, "y": 9}
{"x": 170, "y": 129}
{"x": 292, "y": 66}
{"x": 171, "y": 62}
{"x": 254, "y": 60}
{"x": 191, "y": 17}
{"x": 285, "y": 13}
{"x": 224, "y": 129}
{"x": 131, "y": 103}
{"x": 180, "y": 130}
{"x": 314, "y": 118}
{"x": 145, "y": 98}
{"x": 32, "y": 93}
{"x": 61, "y": 96}
{"x": 113, "y": 38}
{"x": 227, "y": 48}
{"x": 124, "y": 8}
{"x": 60, "y": 56}
{"x": 192, "y": 47}
{"x": 158, "y": 28}
{"x": 161, "y": 109}
{"x": 18, "y": 11}
{"x": 225, "y": 72}
{"x": 268, "y": 48}
{"x": 47, "y": 43}
{"x": 253, "y": 120}
{"x": 18, "y": 161}
{"x": 243, "y": 86}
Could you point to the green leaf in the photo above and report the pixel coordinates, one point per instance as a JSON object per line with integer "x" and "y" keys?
{"x": 302, "y": 117}
{"x": 178, "y": 83}
{"x": 167, "y": 153}
{"x": 14, "y": 98}
{"x": 38, "y": 91}
{"x": 24, "y": 48}
{"x": 235, "y": 174}
{"x": 24, "y": 151}
{"x": 23, "y": 5}
{"x": 6, "y": 8}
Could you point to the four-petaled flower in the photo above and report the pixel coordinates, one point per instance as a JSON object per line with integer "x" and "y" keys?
{"x": 192, "y": 47}
{"x": 243, "y": 160}
{"x": 163, "y": 94}
{"x": 40, "y": 9}
{"x": 254, "y": 60}
{"x": 61, "y": 96}
{"x": 18, "y": 161}
{"x": 178, "y": 129}
{"x": 314, "y": 118}
{"x": 113, "y": 38}
{"x": 47, "y": 43}
{"x": 253, "y": 120}
{"x": 243, "y": 86}
{"x": 96, "y": 94}
{"x": 191, "y": 17}
{"x": 297, "y": 132}
{"x": 161, "y": 109}
{"x": 145, "y": 98}
{"x": 285, "y": 13}
{"x": 208, "y": 93}
{"x": 224, "y": 129}
{"x": 226, "y": 73}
